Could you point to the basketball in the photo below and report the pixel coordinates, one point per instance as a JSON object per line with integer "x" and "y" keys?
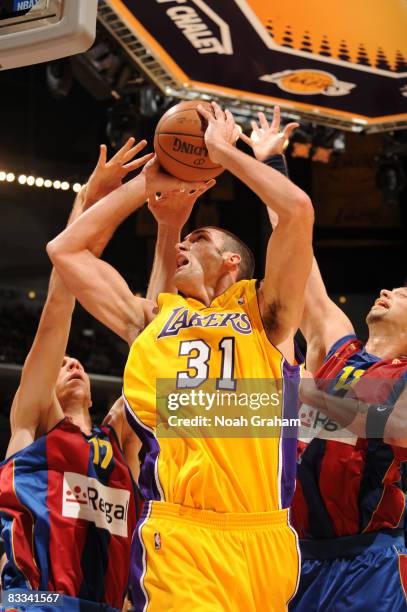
{"x": 180, "y": 146}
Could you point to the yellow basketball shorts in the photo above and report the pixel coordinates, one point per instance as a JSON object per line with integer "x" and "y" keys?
{"x": 197, "y": 560}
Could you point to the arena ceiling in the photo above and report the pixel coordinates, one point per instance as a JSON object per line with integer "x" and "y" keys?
{"x": 341, "y": 63}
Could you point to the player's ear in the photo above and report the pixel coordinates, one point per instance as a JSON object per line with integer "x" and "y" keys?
{"x": 232, "y": 260}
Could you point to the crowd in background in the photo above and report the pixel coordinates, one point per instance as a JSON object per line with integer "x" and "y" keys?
{"x": 97, "y": 349}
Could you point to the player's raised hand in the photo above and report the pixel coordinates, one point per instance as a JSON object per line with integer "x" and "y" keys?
{"x": 173, "y": 208}
{"x": 221, "y": 129}
{"x": 108, "y": 175}
{"x": 266, "y": 138}
{"x": 159, "y": 182}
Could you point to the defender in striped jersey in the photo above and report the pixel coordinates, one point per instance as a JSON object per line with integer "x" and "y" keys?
{"x": 68, "y": 502}
{"x": 349, "y": 504}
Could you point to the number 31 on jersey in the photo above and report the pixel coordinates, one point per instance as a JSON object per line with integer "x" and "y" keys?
{"x": 199, "y": 355}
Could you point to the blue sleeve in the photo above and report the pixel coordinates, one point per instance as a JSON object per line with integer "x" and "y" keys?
{"x": 338, "y": 344}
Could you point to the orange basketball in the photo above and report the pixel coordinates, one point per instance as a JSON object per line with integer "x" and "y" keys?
{"x": 179, "y": 143}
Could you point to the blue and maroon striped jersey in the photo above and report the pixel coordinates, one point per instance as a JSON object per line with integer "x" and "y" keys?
{"x": 342, "y": 488}
{"x": 68, "y": 511}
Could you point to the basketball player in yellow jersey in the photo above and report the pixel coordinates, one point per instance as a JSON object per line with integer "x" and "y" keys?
{"x": 215, "y": 533}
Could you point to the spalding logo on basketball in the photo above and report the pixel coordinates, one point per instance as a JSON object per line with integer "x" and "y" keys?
{"x": 180, "y": 146}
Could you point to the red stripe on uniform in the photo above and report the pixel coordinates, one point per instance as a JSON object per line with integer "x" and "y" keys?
{"x": 403, "y": 573}
{"x": 340, "y": 493}
{"x": 119, "y": 547}
{"x": 391, "y": 506}
{"x": 22, "y": 528}
{"x": 299, "y": 512}
{"x": 67, "y": 535}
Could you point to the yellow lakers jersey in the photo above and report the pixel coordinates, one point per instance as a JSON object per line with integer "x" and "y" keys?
{"x": 214, "y": 404}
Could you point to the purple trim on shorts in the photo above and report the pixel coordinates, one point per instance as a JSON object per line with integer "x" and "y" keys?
{"x": 138, "y": 564}
{"x": 291, "y": 375}
{"x": 148, "y": 481}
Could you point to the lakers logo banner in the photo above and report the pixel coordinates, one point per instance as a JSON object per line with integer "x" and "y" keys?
{"x": 344, "y": 59}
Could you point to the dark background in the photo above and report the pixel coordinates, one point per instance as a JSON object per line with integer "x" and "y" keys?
{"x": 53, "y": 119}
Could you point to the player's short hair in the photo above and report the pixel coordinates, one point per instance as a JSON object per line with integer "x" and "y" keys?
{"x": 235, "y": 245}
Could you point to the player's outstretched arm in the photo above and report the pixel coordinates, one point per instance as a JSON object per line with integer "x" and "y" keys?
{"x": 348, "y": 412}
{"x": 323, "y": 322}
{"x": 365, "y": 420}
{"x": 108, "y": 175}
{"x": 268, "y": 144}
{"x": 35, "y": 405}
{"x": 171, "y": 210}
{"x": 289, "y": 252}
{"x": 35, "y": 402}
{"x": 97, "y": 285}
{"x": 105, "y": 179}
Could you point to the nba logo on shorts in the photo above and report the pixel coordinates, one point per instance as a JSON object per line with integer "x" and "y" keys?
{"x": 157, "y": 541}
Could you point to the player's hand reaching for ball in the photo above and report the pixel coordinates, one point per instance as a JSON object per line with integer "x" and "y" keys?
{"x": 266, "y": 139}
{"x": 221, "y": 130}
{"x": 173, "y": 208}
{"x": 108, "y": 175}
{"x": 159, "y": 182}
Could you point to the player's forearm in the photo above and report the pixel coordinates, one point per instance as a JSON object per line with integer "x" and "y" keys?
{"x": 317, "y": 307}
{"x": 274, "y": 189}
{"x": 98, "y": 223}
{"x": 278, "y": 162}
{"x": 164, "y": 266}
{"x": 79, "y": 206}
{"x": 52, "y": 334}
{"x": 43, "y": 362}
{"x": 84, "y": 203}
{"x": 348, "y": 412}
{"x": 373, "y": 420}
{"x": 60, "y": 302}
{"x": 315, "y": 284}
{"x": 315, "y": 293}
